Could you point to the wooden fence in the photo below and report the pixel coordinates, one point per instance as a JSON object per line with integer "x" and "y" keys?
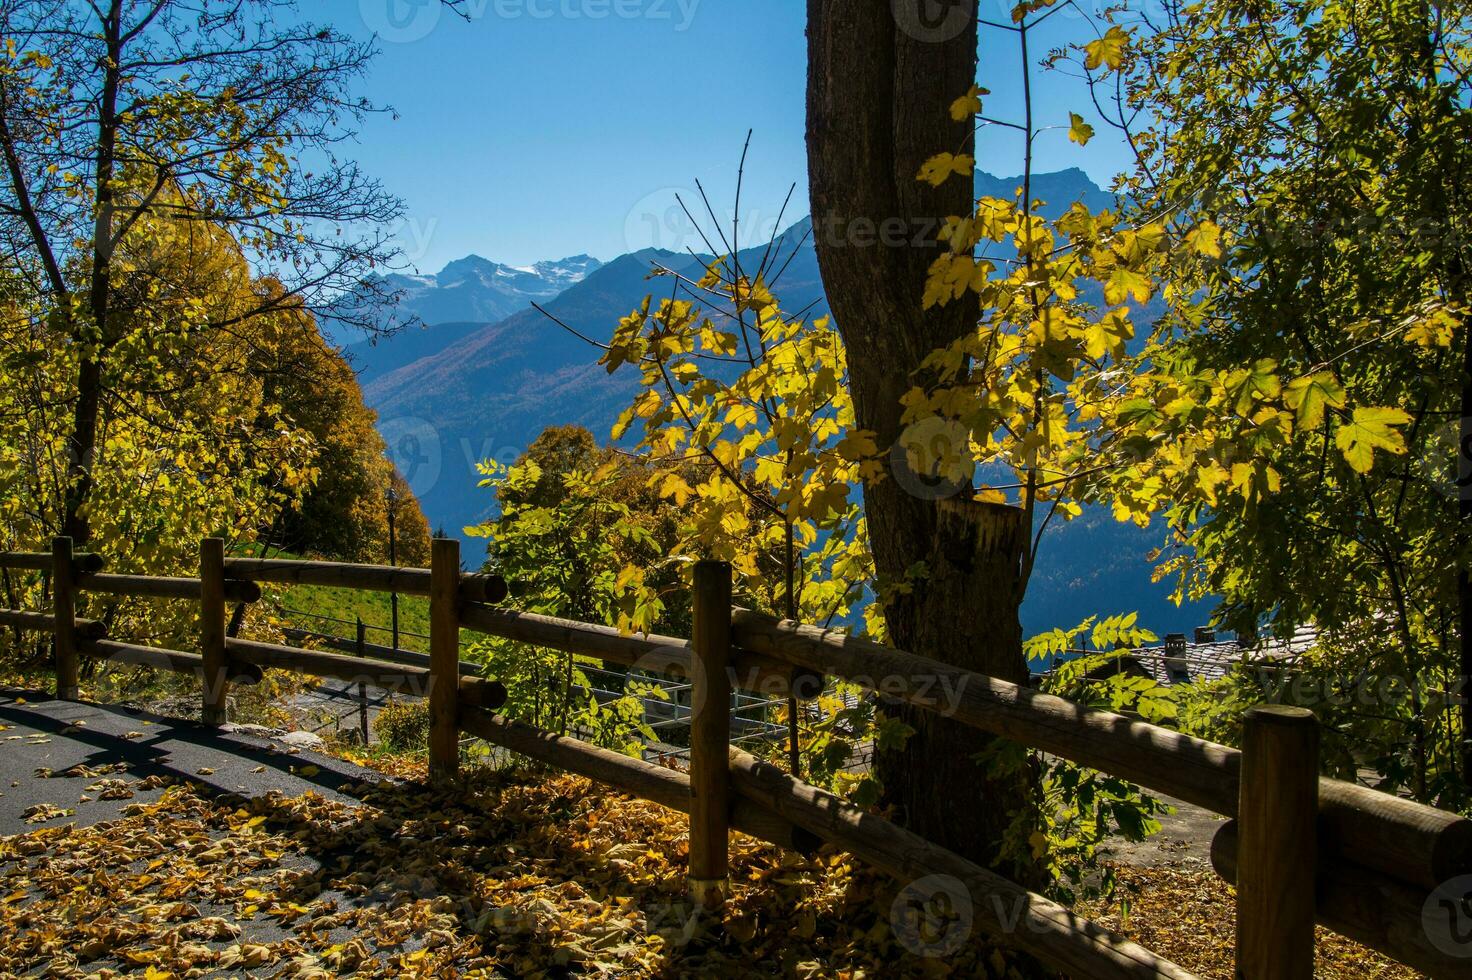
{"x": 1300, "y": 848}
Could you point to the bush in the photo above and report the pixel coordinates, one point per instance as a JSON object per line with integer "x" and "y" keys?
{"x": 403, "y": 726}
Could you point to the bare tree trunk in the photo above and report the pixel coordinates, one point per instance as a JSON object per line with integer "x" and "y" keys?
{"x": 880, "y": 85}
{"x": 82, "y": 445}
{"x": 1464, "y": 580}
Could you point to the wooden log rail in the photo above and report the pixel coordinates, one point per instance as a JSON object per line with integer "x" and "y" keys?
{"x": 658, "y": 784}
{"x": 1401, "y": 838}
{"x": 163, "y": 587}
{"x": 376, "y": 651}
{"x": 89, "y": 629}
{"x": 1004, "y": 909}
{"x": 648, "y": 652}
{"x": 473, "y": 587}
{"x": 41, "y": 561}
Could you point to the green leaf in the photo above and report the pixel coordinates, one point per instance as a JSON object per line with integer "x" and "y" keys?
{"x": 1309, "y": 395}
{"x": 1371, "y": 429}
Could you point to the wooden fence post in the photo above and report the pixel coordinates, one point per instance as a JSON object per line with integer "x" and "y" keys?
{"x": 710, "y": 735}
{"x": 212, "y": 629}
{"x": 444, "y": 659}
{"x": 64, "y": 610}
{"x": 1277, "y": 815}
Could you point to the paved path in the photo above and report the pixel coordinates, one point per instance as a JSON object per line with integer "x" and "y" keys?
{"x": 45, "y": 734}
{"x": 1184, "y": 838}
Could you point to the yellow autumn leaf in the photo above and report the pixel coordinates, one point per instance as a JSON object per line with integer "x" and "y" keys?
{"x": 968, "y": 104}
{"x": 1205, "y": 239}
{"x": 1368, "y": 430}
{"x": 1078, "y": 130}
{"x": 939, "y": 168}
{"x": 1107, "y": 51}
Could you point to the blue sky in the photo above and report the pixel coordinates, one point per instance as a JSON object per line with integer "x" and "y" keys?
{"x": 544, "y": 128}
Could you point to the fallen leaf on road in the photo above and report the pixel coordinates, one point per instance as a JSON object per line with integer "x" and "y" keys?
{"x": 42, "y": 812}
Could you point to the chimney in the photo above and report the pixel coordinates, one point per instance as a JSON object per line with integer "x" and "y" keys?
{"x": 1205, "y": 634}
{"x": 1176, "y": 666}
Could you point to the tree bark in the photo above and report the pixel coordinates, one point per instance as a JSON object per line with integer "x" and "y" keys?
{"x": 879, "y": 92}
{"x": 82, "y": 444}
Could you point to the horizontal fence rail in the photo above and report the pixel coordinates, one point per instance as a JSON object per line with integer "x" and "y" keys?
{"x": 46, "y": 623}
{"x": 648, "y": 652}
{"x": 375, "y": 650}
{"x": 1376, "y": 857}
{"x": 1400, "y": 837}
{"x": 162, "y": 587}
{"x": 40, "y": 561}
{"x": 1005, "y": 910}
{"x": 370, "y": 578}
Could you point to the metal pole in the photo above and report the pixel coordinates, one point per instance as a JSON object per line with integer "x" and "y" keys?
{"x": 363, "y": 688}
{"x": 393, "y": 559}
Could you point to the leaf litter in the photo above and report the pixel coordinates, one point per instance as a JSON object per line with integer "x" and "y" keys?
{"x": 512, "y": 874}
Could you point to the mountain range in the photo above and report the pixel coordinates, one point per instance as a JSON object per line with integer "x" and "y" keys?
{"x": 482, "y": 373}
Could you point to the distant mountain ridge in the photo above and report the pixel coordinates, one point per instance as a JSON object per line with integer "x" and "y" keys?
{"x": 460, "y": 391}
{"x": 474, "y": 289}
{"x": 435, "y": 311}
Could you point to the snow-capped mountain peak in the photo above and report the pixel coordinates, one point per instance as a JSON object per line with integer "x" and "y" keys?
{"x": 477, "y": 290}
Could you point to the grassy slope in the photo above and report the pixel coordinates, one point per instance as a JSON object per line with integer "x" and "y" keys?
{"x": 313, "y": 607}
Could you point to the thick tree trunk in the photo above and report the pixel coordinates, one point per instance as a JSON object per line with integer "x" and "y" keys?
{"x": 880, "y": 85}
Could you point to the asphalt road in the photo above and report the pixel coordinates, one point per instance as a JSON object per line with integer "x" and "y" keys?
{"x": 45, "y": 735}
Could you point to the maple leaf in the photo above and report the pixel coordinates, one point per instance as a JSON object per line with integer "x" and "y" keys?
{"x": 1371, "y": 429}
{"x": 1078, "y": 130}
{"x": 1309, "y": 396}
{"x": 939, "y": 168}
{"x": 1205, "y": 239}
{"x": 1106, "y": 51}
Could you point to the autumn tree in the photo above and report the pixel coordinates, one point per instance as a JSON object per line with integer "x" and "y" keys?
{"x": 878, "y": 98}
{"x": 585, "y": 533}
{"x": 1300, "y": 429}
{"x": 116, "y": 114}
{"x": 344, "y": 512}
